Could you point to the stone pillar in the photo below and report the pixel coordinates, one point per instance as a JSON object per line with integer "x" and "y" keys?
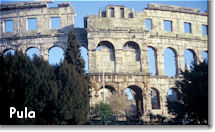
{"x": 160, "y": 62}
{"x": 180, "y": 60}
{"x": 198, "y": 56}
{"x": 92, "y": 61}
{"x": 146, "y": 98}
{"x": 118, "y": 60}
{"x": 45, "y": 54}
{"x": 144, "y": 60}
{"x": 163, "y": 100}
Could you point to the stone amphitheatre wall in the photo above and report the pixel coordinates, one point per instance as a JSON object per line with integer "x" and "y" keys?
{"x": 43, "y": 37}
{"x": 117, "y": 41}
{"x": 118, "y": 26}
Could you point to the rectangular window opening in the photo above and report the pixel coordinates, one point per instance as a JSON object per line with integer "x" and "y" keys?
{"x": 204, "y": 30}
{"x": 32, "y": 24}
{"x": 55, "y": 22}
{"x": 8, "y": 26}
{"x": 122, "y": 12}
{"x": 187, "y": 27}
{"x": 103, "y": 13}
{"x": 112, "y": 12}
{"x": 168, "y": 25}
{"x": 148, "y": 23}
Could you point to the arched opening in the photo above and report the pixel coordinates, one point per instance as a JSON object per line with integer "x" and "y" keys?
{"x": 155, "y": 98}
{"x": 133, "y": 50}
{"x": 56, "y": 55}
{"x": 31, "y": 52}
{"x": 107, "y": 46}
{"x": 170, "y": 63}
{"x": 8, "y": 51}
{"x": 105, "y": 57}
{"x": 104, "y": 93}
{"x": 189, "y": 58}
{"x": 84, "y": 55}
{"x": 205, "y": 56}
{"x": 134, "y": 97}
{"x": 172, "y": 95}
{"x": 152, "y": 60}
{"x": 131, "y": 59}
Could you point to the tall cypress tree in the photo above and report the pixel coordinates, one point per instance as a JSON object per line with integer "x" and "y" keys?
{"x": 73, "y": 55}
{"x": 73, "y": 85}
{"x": 73, "y": 100}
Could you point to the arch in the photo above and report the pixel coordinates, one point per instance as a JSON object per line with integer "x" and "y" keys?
{"x": 137, "y": 98}
{"x": 205, "y": 56}
{"x": 56, "y": 55}
{"x": 105, "y": 56}
{"x": 8, "y": 51}
{"x": 155, "y": 98}
{"x": 106, "y": 92}
{"x": 84, "y": 55}
{"x": 106, "y": 45}
{"x": 189, "y": 58}
{"x": 152, "y": 60}
{"x": 170, "y": 62}
{"x": 172, "y": 95}
{"x": 32, "y": 51}
{"x": 130, "y": 45}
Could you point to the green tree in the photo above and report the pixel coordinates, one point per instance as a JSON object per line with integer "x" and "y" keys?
{"x": 73, "y": 85}
{"x": 103, "y": 110}
{"x": 73, "y": 100}
{"x": 192, "y": 103}
{"x": 73, "y": 54}
{"x": 58, "y": 94}
{"x": 24, "y": 83}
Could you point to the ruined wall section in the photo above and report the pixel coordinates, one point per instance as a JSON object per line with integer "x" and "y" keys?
{"x": 43, "y": 37}
{"x": 110, "y": 25}
{"x": 119, "y": 30}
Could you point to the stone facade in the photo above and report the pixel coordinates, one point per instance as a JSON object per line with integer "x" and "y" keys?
{"x": 43, "y": 38}
{"x": 117, "y": 41}
{"x": 118, "y": 26}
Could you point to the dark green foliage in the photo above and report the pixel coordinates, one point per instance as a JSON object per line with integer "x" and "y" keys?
{"x": 58, "y": 94}
{"x": 73, "y": 100}
{"x": 104, "y": 111}
{"x": 73, "y": 83}
{"x": 73, "y": 55}
{"x": 25, "y": 84}
{"x": 192, "y": 104}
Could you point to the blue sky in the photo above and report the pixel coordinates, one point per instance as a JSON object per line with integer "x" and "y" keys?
{"x": 86, "y": 7}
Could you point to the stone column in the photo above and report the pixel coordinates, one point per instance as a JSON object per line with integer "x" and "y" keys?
{"x": 144, "y": 59}
{"x": 160, "y": 62}
{"x": 198, "y": 56}
{"x": 118, "y": 60}
{"x": 180, "y": 60}
{"x": 45, "y": 54}
{"x": 146, "y": 98}
{"x": 163, "y": 100}
{"x": 92, "y": 61}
